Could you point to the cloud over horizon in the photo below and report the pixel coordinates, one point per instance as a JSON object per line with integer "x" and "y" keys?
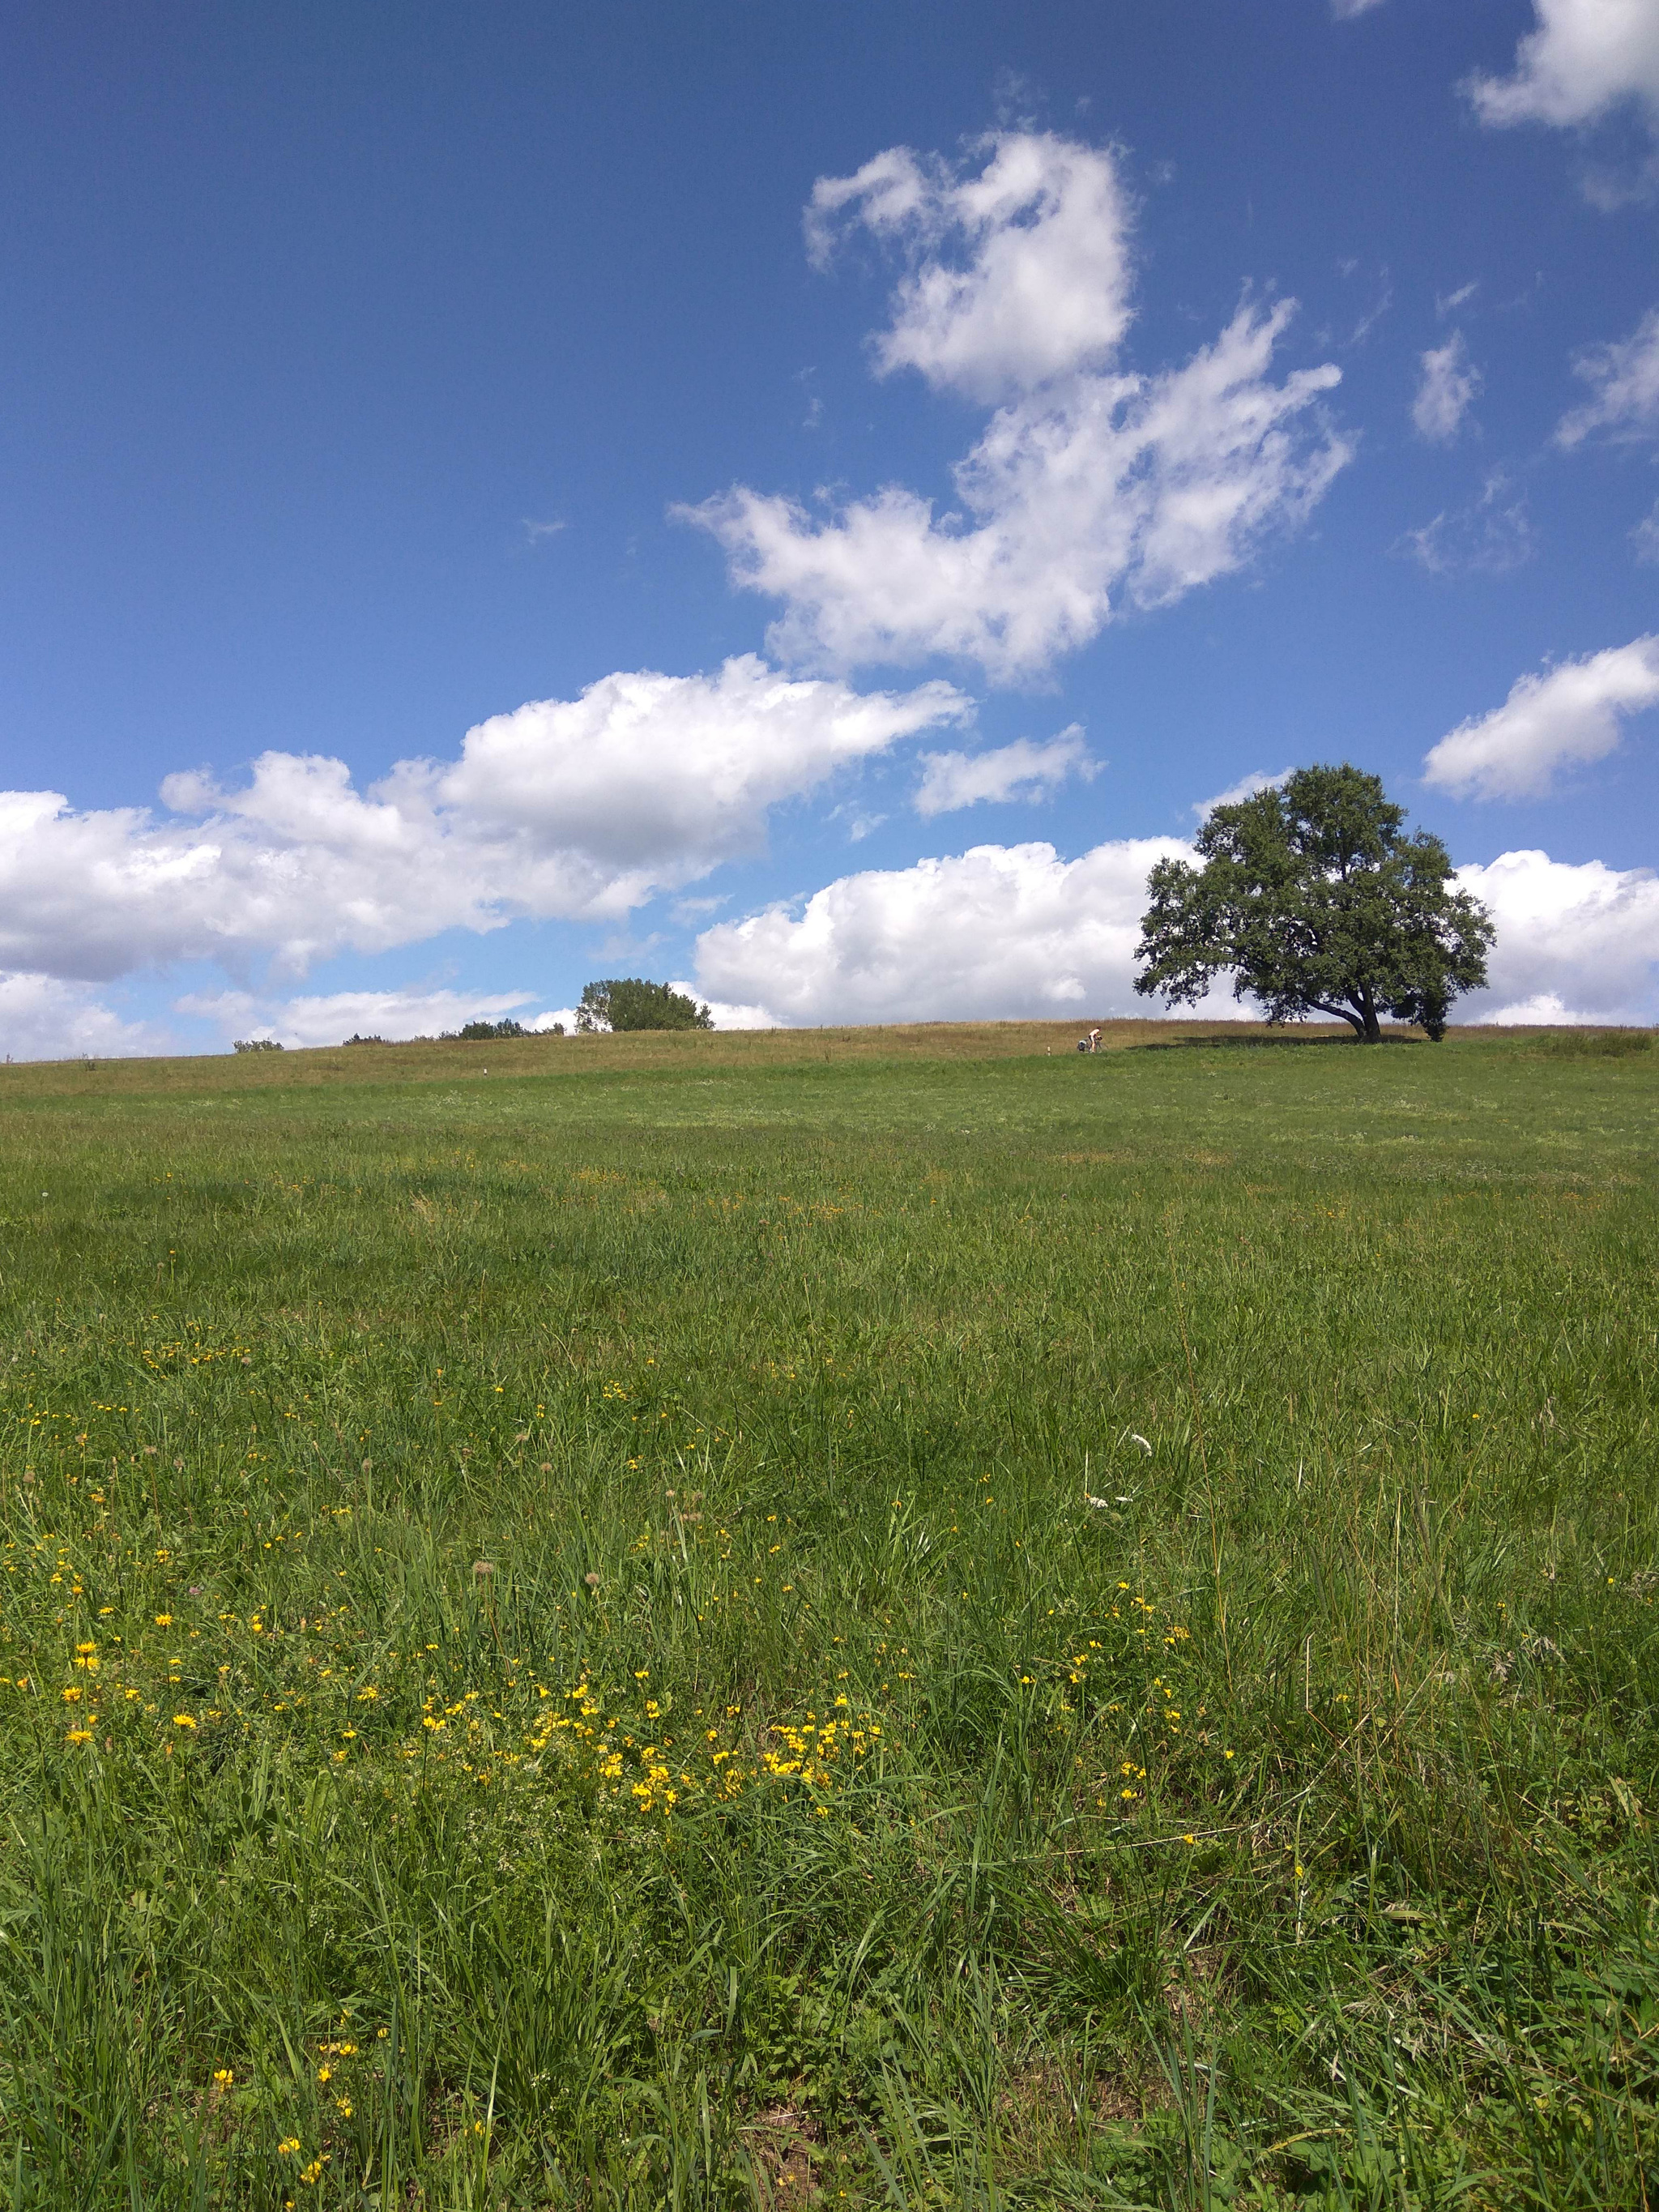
{"x": 581, "y": 809}
{"x": 1091, "y": 490}
{"x": 1010, "y": 932}
{"x": 1574, "y": 941}
{"x": 998, "y": 931}
{"x": 330, "y": 1018}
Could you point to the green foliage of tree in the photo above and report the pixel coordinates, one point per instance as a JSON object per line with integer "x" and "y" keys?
{"x": 628, "y": 1002}
{"x": 482, "y": 1032}
{"x": 1317, "y": 902}
{"x": 257, "y": 1044}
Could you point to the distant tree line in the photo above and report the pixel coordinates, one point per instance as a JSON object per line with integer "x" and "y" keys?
{"x": 617, "y": 1003}
{"x": 482, "y": 1032}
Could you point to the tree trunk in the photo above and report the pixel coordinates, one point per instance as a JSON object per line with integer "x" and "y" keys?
{"x": 1358, "y": 1020}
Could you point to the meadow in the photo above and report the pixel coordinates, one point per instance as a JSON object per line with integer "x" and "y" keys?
{"x": 890, "y": 1619}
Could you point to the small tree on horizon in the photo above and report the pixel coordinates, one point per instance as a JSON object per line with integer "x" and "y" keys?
{"x": 1314, "y": 899}
{"x": 628, "y": 1002}
{"x": 483, "y": 1031}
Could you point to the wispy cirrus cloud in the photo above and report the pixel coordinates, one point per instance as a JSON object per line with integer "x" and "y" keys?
{"x": 1624, "y": 384}
{"x": 1449, "y": 384}
{"x": 1491, "y": 536}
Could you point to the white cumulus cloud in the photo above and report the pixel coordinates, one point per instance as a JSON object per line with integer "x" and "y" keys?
{"x": 724, "y": 1014}
{"x": 1021, "y": 770}
{"x": 997, "y": 932}
{"x": 1582, "y": 937}
{"x": 575, "y": 808}
{"x": 1566, "y": 717}
{"x": 1450, "y": 382}
{"x": 1585, "y": 57}
{"x": 1044, "y": 287}
{"x": 663, "y": 777}
{"x": 43, "y": 1018}
{"x": 1007, "y": 931}
{"x": 1624, "y": 382}
{"x": 1092, "y": 486}
{"x": 1542, "y": 1008}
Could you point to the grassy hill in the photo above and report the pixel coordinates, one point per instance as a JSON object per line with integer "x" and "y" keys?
{"x": 874, "y": 1617}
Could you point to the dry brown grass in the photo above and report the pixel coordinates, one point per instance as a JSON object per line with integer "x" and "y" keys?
{"x": 646, "y": 1052}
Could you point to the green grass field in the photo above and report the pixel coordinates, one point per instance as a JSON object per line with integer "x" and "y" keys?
{"x": 889, "y": 1619}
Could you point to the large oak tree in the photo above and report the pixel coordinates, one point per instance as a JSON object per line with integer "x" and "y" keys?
{"x": 1314, "y": 899}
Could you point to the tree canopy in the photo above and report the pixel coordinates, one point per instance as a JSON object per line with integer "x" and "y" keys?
{"x": 628, "y": 1002}
{"x": 483, "y": 1031}
{"x": 1313, "y": 897}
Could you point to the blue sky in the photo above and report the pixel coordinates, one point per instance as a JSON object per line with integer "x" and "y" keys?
{"x": 916, "y": 457}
